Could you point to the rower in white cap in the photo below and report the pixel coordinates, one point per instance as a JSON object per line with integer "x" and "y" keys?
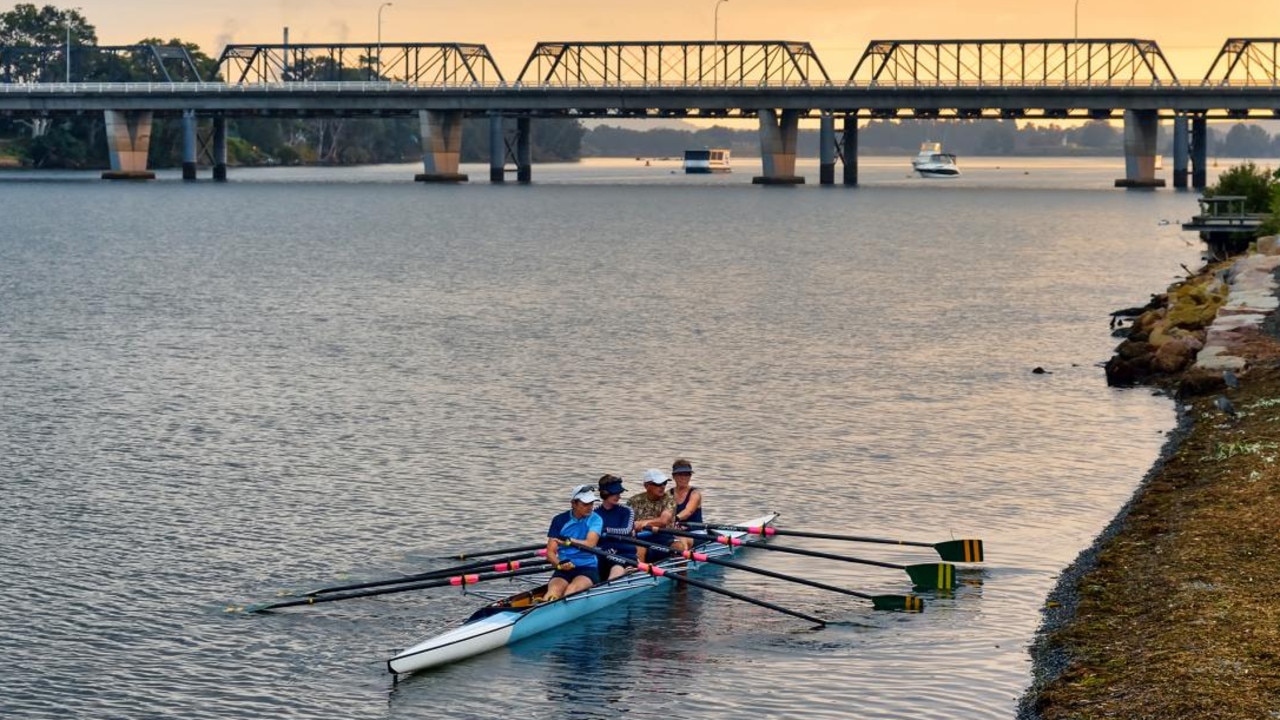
{"x": 576, "y": 570}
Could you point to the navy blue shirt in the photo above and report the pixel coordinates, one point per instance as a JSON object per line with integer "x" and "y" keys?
{"x": 621, "y": 520}
{"x": 565, "y": 525}
{"x": 696, "y": 515}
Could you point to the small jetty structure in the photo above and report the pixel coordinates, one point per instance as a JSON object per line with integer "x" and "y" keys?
{"x": 1224, "y": 225}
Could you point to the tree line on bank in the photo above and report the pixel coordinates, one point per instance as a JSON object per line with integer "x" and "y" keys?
{"x": 79, "y": 141}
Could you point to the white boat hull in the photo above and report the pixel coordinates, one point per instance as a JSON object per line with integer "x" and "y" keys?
{"x": 933, "y": 163}
{"x": 504, "y": 627}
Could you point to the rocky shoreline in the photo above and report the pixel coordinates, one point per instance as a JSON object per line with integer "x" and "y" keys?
{"x": 1168, "y": 614}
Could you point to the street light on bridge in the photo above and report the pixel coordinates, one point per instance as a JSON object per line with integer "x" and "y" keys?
{"x": 69, "y": 18}
{"x": 379, "y": 60}
{"x": 717, "y": 19}
{"x": 1075, "y": 51}
{"x": 716, "y": 36}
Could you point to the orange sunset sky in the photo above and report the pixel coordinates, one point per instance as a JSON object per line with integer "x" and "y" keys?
{"x": 1189, "y": 33}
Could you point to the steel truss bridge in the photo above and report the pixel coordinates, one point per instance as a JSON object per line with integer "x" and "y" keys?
{"x": 783, "y": 80}
{"x": 1086, "y": 78}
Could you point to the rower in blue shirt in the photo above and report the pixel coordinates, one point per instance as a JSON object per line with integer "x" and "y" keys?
{"x": 576, "y": 570}
{"x": 618, "y": 519}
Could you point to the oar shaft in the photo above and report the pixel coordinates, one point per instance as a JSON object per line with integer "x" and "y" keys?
{"x": 499, "y": 551}
{"x": 845, "y": 538}
{"x": 457, "y": 580}
{"x": 724, "y": 539}
{"x": 656, "y": 571}
{"x": 967, "y": 550}
{"x": 499, "y": 565}
{"x": 702, "y": 557}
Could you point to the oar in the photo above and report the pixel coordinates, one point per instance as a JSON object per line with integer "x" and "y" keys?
{"x": 458, "y": 580}
{"x": 656, "y": 571}
{"x": 499, "y": 551}
{"x": 503, "y": 565}
{"x": 909, "y": 603}
{"x": 950, "y": 550}
{"x": 926, "y": 576}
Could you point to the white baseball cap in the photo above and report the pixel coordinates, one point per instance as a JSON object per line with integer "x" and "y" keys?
{"x": 654, "y": 476}
{"x": 586, "y": 494}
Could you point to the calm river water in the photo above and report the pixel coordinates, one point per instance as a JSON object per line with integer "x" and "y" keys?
{"x": 213, "y": 392}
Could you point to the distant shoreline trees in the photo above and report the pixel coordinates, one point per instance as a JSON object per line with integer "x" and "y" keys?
{"x": 963, "y": 137}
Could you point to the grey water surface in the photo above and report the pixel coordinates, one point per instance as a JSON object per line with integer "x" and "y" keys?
{"x": 212, "y": 393}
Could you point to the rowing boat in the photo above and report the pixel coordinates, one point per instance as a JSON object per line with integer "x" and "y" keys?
{"x": 514, "y": 618}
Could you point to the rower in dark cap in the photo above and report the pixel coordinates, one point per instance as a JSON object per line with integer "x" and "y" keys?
{"x": 618, "y": 520}
{"x": 688, "y": 499}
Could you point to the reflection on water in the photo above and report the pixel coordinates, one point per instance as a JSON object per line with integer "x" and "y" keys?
{"x": 214, "y": 391}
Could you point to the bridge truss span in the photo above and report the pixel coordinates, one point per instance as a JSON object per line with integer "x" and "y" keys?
{"x": 97, "y": 63}
{"x": 441, "y": 65}
{"x": 674, "y": 64}
{"x": 1013, "y": 63}
{"x": 1251, "y": 62}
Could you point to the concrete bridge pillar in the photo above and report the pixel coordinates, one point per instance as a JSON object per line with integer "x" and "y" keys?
{"x": 220, "y": 148}
{"x": 850, "y": 148}
{"x": 1181, "y": 143}
{"x": 1199, "y": 152}
{"x": 497, "y": 149}
{"x": 827, "y": 149}
{"x": 441, "y": 146}
{"x": 524, "y": 150}
{"x": 1140, "y": 130}
{"x": 778, "y": 135}
{"x": 128, "y": 140}
{"x": 188, "y": 144}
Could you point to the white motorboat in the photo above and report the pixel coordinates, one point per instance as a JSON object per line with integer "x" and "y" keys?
{"x": 931, "y": 162}
{"x": 714, "y": 160}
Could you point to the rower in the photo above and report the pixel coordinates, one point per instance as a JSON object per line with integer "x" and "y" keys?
{"x": 618, "y": 520}
{"x": 576, "y": 570}
{"x": 655, "y": 510}
{"x": 688, "y": 500}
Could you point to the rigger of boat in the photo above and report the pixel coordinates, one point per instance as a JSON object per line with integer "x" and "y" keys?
{"x": 508, "y": 619}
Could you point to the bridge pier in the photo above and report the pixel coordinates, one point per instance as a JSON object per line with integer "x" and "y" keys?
{"x": 128, "y": 141}
{"x": 188, "y": 144}
{"x": 1199, "y": 152}
{"x": 497, "y": 149}
{"x": 778, "y": 135}
{"x": 1181, "y": 142}
{"x": 827, "y": 149}
{"x": 220, "y": 148}
{"x": 524, "y": 150}
{"x": 441, "y": 146}
{"x": 849, "y": 149}
{"x": 1140, "y": 131}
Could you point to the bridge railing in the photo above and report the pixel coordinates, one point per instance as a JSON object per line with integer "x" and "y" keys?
{"x": 673, "y": 64}
{"x": 420, "y": 64}
{"x": 1246, "y": 62}
{"x": 299, "y": 87}
{"x": 1013, "y": 63}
